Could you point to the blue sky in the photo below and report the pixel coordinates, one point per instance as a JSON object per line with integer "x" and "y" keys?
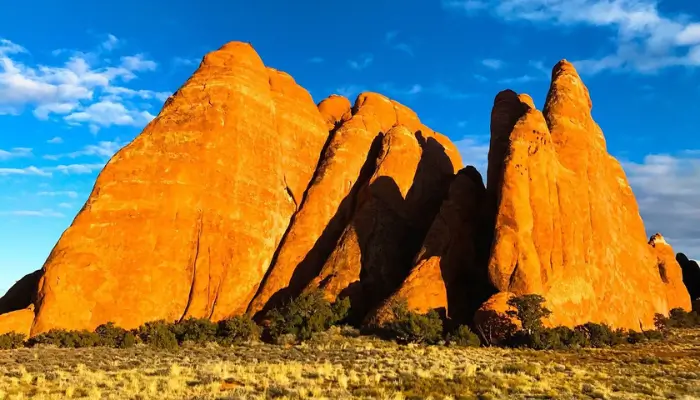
{"x": 79, "y": 81}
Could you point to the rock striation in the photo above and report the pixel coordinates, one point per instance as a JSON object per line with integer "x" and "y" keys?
{"x": 555, "y": 234}
{"x": 243, "y": 193}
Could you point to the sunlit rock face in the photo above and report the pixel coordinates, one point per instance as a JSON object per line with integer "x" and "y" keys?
{"x": 243, "y": 193}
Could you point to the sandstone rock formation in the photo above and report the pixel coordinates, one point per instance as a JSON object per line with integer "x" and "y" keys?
{"x": 671, "y": 273}
{"x": 445, "y": 271}
{"x": 184, "y": 221}
{"x": 345, "y": 167}
{"x": 21, "y": 294}
{"x": 373, "y": 254}
{"x": 691, "y": 275}
{"x": 567, "y": 225}
{"x": 243, "y": 193}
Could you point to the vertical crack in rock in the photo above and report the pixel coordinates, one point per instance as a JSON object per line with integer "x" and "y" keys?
{"x": 193, "y": 264}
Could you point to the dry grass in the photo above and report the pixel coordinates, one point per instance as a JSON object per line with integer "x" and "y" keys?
{"x": 336, "y": 366}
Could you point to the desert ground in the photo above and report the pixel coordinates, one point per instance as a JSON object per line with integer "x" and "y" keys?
{"x": 339, "y": 364}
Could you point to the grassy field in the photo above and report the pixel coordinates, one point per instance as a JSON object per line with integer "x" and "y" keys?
{"x": 337, "y": 365}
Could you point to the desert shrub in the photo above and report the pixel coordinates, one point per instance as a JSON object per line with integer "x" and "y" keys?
{"x": 463, "y": 336}
{"x": 529, "y": 310}
{"x": 495, "y": 328}
{"x": 679, "y": 318}
{"x": 654, "y": 335}
{"x": 305, "y": 315}
{"x": 411, "y": 327}
{"x": 11, "y": 340}
{"x": 158, "y": 334}
{"x": 66, "y": 339}
{"x": 661, "y": 323}
{"x": 196, "y": 330}
{"x": 111, "y": 335}
{"x": 572, "y": 337}
{"x": 237, "y": 330}
{"x": 601, "y": 335}
{"x": 635, "y": 337}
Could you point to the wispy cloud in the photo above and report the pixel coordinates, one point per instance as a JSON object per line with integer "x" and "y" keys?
{"x": 47, "y": 172}
{"x": 34, "y": 213}
{"x": 671, "y": 208}
{"x": 646, "y": 40}
{"x": 390, "y": 40}
{"x": 181, "y": 61}
{"x": 55, "y": 140}
{"x": 110, "y": 43}
{"x": 16, "y": 152}
{"x": 32, "y": 170}
{"x": 104, "y": 149}
{"x": 316, "y": 60}
{"x": 474, "y": 150}
{"x": 83, "y": 90}
{"x": 65, "y": 193}
{"x": 362, "y": 62}
{"x": 493, "y": 63}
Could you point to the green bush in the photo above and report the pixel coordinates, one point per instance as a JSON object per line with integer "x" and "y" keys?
{"x": 661, "y": 323}
{"x": 196, "y": 330}
{"x": 679, "y": 318}
{"x": 158, "y": 334}
{"x": 601, "y": 335}
{"x": 635, "y": 337}
{"x": 654, "y": 335}
{"x": 113, "y": 336}
{"x": 463, "y": 336}
{"x": 66, "y": 339}
{"x": 11, "y": 340}
{"x": 529, "y": 310}
{"x": 305, "y": 315}
{"x": 237, "y": 330}
{"x": 411, "y": 327}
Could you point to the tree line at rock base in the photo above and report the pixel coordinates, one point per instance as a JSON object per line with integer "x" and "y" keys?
{"x": 309, "y": 314}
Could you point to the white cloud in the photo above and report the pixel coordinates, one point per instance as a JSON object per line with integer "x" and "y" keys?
{"x": 104, "y": 149}
{"x": 33, "y": 213}
{"x": 107, "y": 113}
{"x": 667, "y": 188}
{"x": 65, "y": 169}
{"x": 55, "y": 140}
{"x": 186, "y": 61}
{"x": 16, "y": 152}
{"x": 492, "y": 63}
{"x": 362, "y": 62}
{"x": 474, "y": 150}
{"x": 66, "y": 193}
{"x": 645, "y": 39}
{"x": 389, "y": 39}
{"x": 65, "y": 205}
{"x": 111, "y": 43}
{"x": 138, "y": 63}
{"x": 24, "y": 171}
{"x": 83, "y": 89}
{"x": 77, "y": 169}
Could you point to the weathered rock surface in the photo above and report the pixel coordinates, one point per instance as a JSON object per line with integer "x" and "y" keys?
{"x": 555, "y": 234}
{"x": 243, "y": 193}
{"x": 691, "y": 275}
{"x": 671, "y": 273}
{"x": 335, "y": 110}
{"x": 21, "y": 294}
{"x": 440, "y": 277}
{"x": 184, "y": 221}
{"x": 19, "y": 321}
{"x": 367, "y": 260}
{"x": 346, "y": 166}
